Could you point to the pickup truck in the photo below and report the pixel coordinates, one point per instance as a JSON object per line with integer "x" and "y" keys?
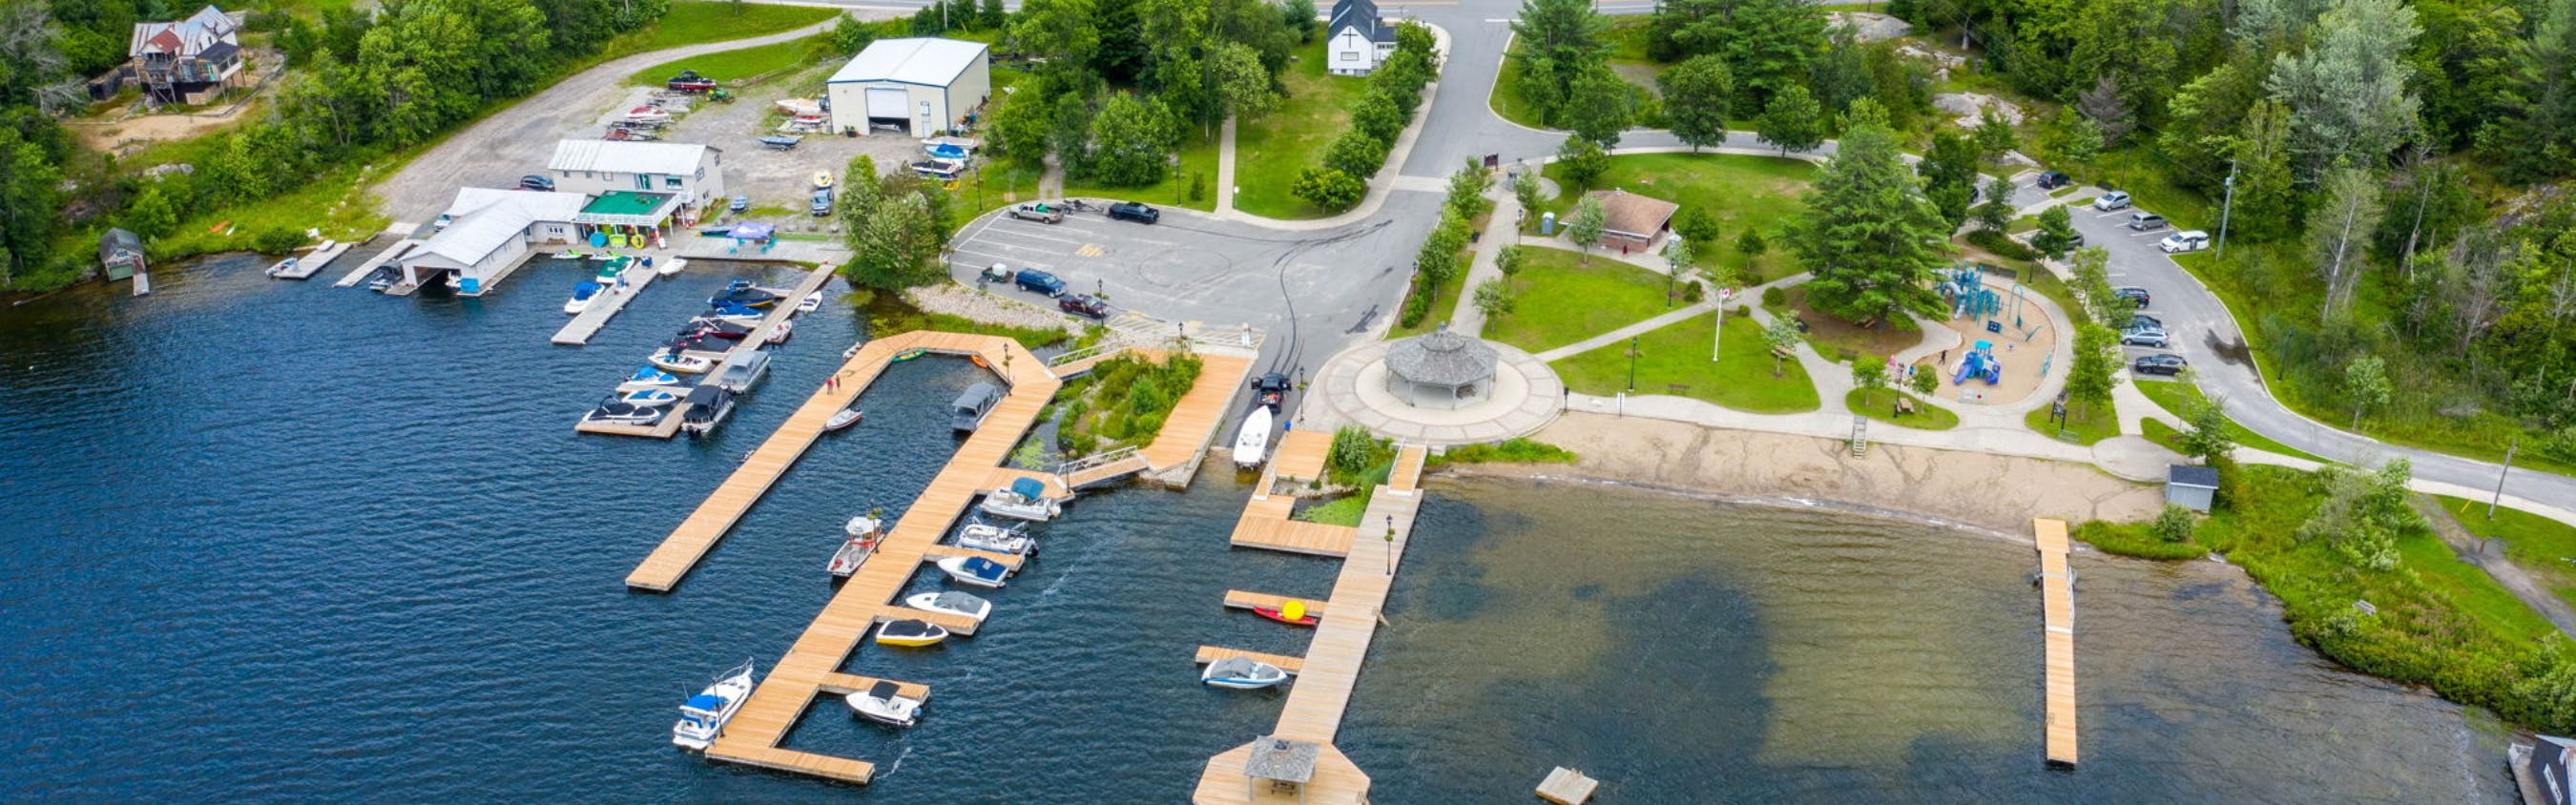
{"x": 1039, "y": 212}
{"x": 690, "y": 81}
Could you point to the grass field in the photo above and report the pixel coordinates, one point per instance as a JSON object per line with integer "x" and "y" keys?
{"x": 1198, "y": 157}
{"x": 1740, "y": 192}
{"x": 1270, "y": 151}
{"x": 1675, "y": 360}
{"x": 1881, "y": 406}
{"x": 1506, "y": 98}
{"x": 1563, "y": 301}
{"x": 732, "y": 67}
{"x": 2178, "y": 397}
{"x": 2082, "y": 427}
{"x": 690, "y": 23}
{"x": 2543, "y": 547}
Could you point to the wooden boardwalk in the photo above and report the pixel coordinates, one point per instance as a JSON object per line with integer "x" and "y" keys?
{"x": 1209, "y": 654}
{"x": 1265, "y": 523}
{"x": 1195, "y": 420}
{"x": 611, "y": 300}
{"x": 1331, "y": 667}
{"x": 312, "y": 262}
{"x": 2057, "y": 605}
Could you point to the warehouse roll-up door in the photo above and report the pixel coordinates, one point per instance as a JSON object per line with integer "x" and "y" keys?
{"x": 889, "y": 103}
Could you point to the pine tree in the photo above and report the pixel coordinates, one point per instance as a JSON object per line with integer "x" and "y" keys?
{"x": 1871, "y": 239}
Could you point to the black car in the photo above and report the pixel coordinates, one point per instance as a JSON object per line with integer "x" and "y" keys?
{"x": 2161, "y": 363}
{"x": 2134, "y": 294}
{"x": 1083, "y": 304}
{"x": 1132, "y": 211}
{"x": 536, "y": 182}
{"x": 1271, "y": 390}
{"x": 2052, "y": 180}
{"x": 2144, "y": 320}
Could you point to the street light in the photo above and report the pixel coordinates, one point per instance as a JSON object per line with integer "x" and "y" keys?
{"x": 1390, "y": 545}
{"x": 1632, "y": 365}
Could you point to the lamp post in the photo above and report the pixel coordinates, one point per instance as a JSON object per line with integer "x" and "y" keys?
{"x": 1632, "y": 365}
{"x": 1390, "y": 545}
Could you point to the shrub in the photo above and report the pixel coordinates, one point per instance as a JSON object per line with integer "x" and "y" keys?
{"x": 1328, "y": 188}
{"x": 1693, "y": 292}
{"x": 277, "y": 241}
{"x": 1774, "y": 297}
{"x": 1353, "y": 450}
{"x": 1510, "y": 451}
{"x": 2172, "y": 525}
{"x": 2002, "y": 245}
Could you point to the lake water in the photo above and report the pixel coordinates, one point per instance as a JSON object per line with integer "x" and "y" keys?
{"x": 274, "y": 541}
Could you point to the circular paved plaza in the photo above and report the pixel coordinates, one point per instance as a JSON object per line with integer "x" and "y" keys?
{"x": 1523, "y": 396}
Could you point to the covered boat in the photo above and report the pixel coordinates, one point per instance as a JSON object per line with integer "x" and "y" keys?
{"x": 968, "y": 411}
{"x": 741, "y": 293}
{"x": 1252, "y": 444}
{"x": 708, "y": 407}
{"x": 673, "y": 361}
{"x": 1025, "y": 500}
{"x": 997, "y": 539}
{"x": 742, "y": 369}
{"x": 974, "y": 570}
{"x": 885, "y": 703}
{"x": 910, "y": 633}
{"x": 618, "y": 413}
{"x": 951, "y": 602}
{"x": 703, "y": 716}
{"x": 944, "y": 150}
{"x": 582, "y": 295}
{"x": 1242, "y": 673}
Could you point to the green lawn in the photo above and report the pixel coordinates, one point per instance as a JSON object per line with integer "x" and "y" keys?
{"x": 1675, "y": 360}
{"x": 732, "y": 67}
{"x": 1444, "y": 301}
{"x": 2468, "y": 586}
{"x": 1269, "y": 152}
{"x": 1563, "y": 301}
{"x": 2177, "y": 397}
{"x": 2102, "y": 422}
{"x": 1506, "y": 98}
{"x": 1740, "y": 192}
{"x": 2543, "y": 547}
{"x": 1198, "y": 157}
{"x": 690, "y": 23}
{"x": 1881, "y": 406}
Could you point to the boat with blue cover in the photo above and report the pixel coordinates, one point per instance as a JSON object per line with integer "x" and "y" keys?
{"x": 703, "y": 716}
{"x": 974, "y": 570}
{"x": 582, "y": 295}
{"x": 648, "y": 377}
{"x": 1025, "y": 499}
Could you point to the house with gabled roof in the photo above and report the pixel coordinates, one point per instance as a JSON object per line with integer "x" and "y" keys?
{"x": 185, "y": 61}
{"x": 1357, "y": 39}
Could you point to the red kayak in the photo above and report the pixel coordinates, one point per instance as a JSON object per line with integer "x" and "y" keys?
{"x": 1276, "y": 615}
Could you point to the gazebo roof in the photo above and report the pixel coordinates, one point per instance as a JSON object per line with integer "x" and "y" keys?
{"x": 1441, "y": 358}
{"x": 1281, "y": 759}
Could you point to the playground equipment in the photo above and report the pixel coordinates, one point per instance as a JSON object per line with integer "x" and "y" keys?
{"x": 1965, "y": 288}
{"x": 1982, "y": 364}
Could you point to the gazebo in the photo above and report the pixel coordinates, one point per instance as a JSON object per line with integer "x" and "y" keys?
{"x": 1286, "y": 765}
{"x": 1440, "y": 369}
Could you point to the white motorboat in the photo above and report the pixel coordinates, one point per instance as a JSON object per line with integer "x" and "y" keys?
{"x": 672, "y": 267}
{"x": 779, "y": 336}
{"x": 853, "y": 554}
{"x": 843, "y": 419}
{"x": 282, "y": 267}
{"x": 707, "y": 407}
{"x": 1025, "y": 500}
{"x": 885, "y": 703}
{"x": 618, "y": 413}
{"x": 997, "y": 539}
{"x": 673, "y": 361}
{"x": 811, "y": 302}
{"x": 865, "y": 525}
{"x": 742, "y": 369}
{"x": 649, "y": 398}
{"x": 648, "y": 378}
{"x": 951, "y": 602}
{"x": 1252, "y": 444}
{"x": 737, "y": 315}
{"x": 909, "y": 633}
{"x": 1242, "y": 673}
{"x": 703, "y": 716}
{"x": 974, "y": 570}
{"x": 582, "y": 295}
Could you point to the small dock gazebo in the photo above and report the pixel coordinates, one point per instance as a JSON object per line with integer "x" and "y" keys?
{"x": 1440, "y": 369}
{"x": 1287, "y": 766}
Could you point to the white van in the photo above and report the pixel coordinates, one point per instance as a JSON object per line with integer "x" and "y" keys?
{"x": 2185, "y": 241}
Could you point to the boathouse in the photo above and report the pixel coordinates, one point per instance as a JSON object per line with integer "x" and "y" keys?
{"x": 120, "y": 254}
{"x": 638, "y": 185}
{"x": 917, "y": 86}
{"x": 487, "y": 234}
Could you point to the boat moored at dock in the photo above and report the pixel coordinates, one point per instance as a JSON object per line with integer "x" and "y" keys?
{"x": 969, "y": 409}
{"x": 648, "y": 378}
{"x": 910, "y": 633}
{"x": 843, "y": 419}
{"x": 648, "y": 398}
{"x": 620, "y": 413}
{"x": 951, "y": 602}
{"x": 708, "y": 407}
{"x": 863, "y": 533}
{"x": 975, "y": 571}
{"x": 582, "y": 295}
{"x": 1025, "y": 500}
{"x": 703, "y": 716}
{"x": 671, "y": 360}
{"x": 884, "y": 703}
{"x": 742, "y": 369}
{"x": 988, "y": 537}
{"x": 1242, "y": 673}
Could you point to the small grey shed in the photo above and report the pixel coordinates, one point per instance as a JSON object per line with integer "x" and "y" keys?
{"x": 2190, "y": 487}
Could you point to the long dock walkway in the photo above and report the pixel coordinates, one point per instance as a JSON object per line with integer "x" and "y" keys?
{"x": 390, "y": 254}
{"x": 610, "y": 300}
{"x": 2057, "y": 604}
{"x": 1331, "y": 666}
{"x": 311, "y": 263}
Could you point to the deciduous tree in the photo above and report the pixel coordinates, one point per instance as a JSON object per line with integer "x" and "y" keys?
{"x": 1791, "y": 121}
{"x": 2348, "y": 211}
{"x": 2090, "y": 378}
{"x": 1586, "y": 225}
{"x": 2365, "y": 383}
{"x": 1697, "y": 94}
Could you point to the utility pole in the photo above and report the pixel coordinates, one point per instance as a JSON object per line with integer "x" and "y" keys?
{"x": 2226, "y": 207}
{"x": 2516, "y": 444}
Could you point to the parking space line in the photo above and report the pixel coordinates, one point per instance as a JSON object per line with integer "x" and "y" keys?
{"x": 990, "y": 245}
{"x": 2111, "y": 214}
{"x": 1015, "y": 234}
{"x": 1008, "y": 258}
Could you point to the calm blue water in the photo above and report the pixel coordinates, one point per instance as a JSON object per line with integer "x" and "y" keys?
{"x": 281, "y": 542}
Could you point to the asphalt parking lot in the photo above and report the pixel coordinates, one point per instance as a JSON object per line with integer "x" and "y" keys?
{"x": 1339, "y": 283}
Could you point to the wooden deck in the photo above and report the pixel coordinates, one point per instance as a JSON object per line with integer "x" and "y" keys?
{"x": 1331, "y": 667}
{"x": 1209, "y": 654}
{"x": 2057, "y": 597}
{"x": 312, "y": 262}
{"x": 1282, "y": 534}
{"x": 1300, "y": 455}
{"x": 605, "y": 306}
{"x": 669, "y": 424}
{"x": 1265, "y": 522}
{"x": 1200, "y": 414}
{"x": 1565, "y": 786}
{"x": 391, "y": 253}
{"x": 1239, "y": 599}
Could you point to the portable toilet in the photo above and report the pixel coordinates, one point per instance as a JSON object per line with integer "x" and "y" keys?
{"x": 1547, "y": 223}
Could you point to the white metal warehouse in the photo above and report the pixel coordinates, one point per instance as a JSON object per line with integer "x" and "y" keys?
{"x": 919, "y": 86}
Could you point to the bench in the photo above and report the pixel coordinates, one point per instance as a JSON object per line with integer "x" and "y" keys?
{"x": 1904, "y": 405}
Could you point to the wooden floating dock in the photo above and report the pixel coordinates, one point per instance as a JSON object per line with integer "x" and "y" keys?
{"x": 1265, "y": 523}
{"x": 2057, "y": 604}
{"x": 610, "y": 300}
{"x": 311, "y": 263}
{"x": 1331, "y": 667}
{"x": 1209, "y": 654}
{"x": 669, "y": 424}
{"x": 390, "y": 254}
{"x": 1565, "y": 786}
{"x": 810, "y": 668}
{"x": 1239, "y": 599}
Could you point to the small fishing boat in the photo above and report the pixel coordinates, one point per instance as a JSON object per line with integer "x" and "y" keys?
{"x": 671, "y": 268}
{"x": 997, "y": 539}
{"x": 974, "y": 570}
{"x": 1292, "y": 612}
{"x": 909, "y": 354}
{"x": 1242, "y": 673}
{"x": 708, "y": 407}
{"x": 944, "y": 150}
{"x": 703, "y": 716}
{"x": 1025, "y": 500}
{"x": 648, "y": 377}
{"x": 951, "y": 602}
{"x": 282, "y": 267}
{"x": 618, "y": 413}
{"x": 781, "y": 334}
{"x": 582, "y": 295}
{"x": 1252, "y": 444}
{"x": 811, "y": 302}
{"x": 649, "y": 398}
{"x": 885, "y": 704}
{"x": 864, "y": 532}
{"x": 910, "y": 633}
{"x": 843, "y": 419}
{"x": 673, "y": 361}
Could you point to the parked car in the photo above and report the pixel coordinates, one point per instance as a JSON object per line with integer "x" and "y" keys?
{"x": 822, "y": 203}
{"x": 690, "y": 81}
{"x": 2116, "y": 199}
{"x": 999, "y": 273}
{"x": 2051, "y": 180}
{"x": 2145, "y": 337}
{"x": 2134, "y": 294}
{"x": 1132, "y": 211}
{"x": 740, "y": 203}
{"x": 1038, "y": 211}
{"x": 2146, "y": 221}
{"x": 2190, "y": 240}
{"x": 2161, "y": 363}
{"x": 2074, "y": 240}
{"x": 1083, "y": 304}
{"x": 1030, "y": 279}
{"x": 536, "y": 182}
{"x": 2137, "y": 320}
